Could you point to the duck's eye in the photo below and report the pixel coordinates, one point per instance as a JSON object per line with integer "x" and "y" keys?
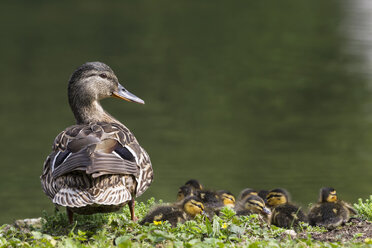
{"x": 103, "y": 75}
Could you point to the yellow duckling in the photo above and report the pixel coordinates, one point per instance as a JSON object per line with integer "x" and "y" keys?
{"x": 175, "y": 213}
{"x": 190, "y": 188}
{"x": 284, "y": 214}
{"x": 227, "y": 198}
{"x": 253, "y": 205}
{"x": 195, "y": 184}
{"x": 246, "y": 193}
{"x": 329, "y": 211}
{"x": 185, "y": 191}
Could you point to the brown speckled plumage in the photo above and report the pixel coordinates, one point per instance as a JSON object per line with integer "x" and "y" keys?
{"x": 96, "y": 165}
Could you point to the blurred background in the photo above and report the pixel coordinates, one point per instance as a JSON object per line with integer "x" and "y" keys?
{"x": 259, "y": 94}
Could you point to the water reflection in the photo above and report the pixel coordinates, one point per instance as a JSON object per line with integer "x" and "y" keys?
{"x": 357, "y": 25}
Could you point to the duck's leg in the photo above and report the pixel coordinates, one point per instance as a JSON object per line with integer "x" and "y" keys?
{"x": 131, "y": 205}
{"x": 70, "y": 215}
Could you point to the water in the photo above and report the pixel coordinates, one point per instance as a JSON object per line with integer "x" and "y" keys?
{"x": 255, "y": 94}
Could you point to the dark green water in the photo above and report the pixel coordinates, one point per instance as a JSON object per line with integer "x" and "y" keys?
{"x": 258, "y": 94}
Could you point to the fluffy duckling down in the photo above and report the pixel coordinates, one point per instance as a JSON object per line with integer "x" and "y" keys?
{"x": 329, "y": 212}
{"x": 253, "y": 204}
{"x": 284, "y": 214}
{"x": 174, "y": 213}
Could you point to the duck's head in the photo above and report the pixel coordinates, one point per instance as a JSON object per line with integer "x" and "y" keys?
{"x": 277, "y": 197}
{"x": 327, "y": 194}
{"x": 256, "y": 204}
{"x": 246, "y": 192}
{"x": 184, "y": 191}
{"x": 193, "y": 206}
{"x": 194, "y": 184}
{"x": 227, "y": 197}
{"x": 92, "y": 82}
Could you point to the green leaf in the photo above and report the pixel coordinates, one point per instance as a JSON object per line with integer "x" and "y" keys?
{"x": 123, "y": 241}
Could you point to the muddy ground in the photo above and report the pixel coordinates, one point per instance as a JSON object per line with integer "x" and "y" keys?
{"x": 355, "y": 230}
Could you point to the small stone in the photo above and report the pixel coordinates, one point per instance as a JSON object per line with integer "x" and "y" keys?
{"x": 291, "y": 233}
{"x": 27, "y": 224}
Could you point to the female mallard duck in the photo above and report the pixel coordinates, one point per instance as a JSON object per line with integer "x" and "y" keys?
{"x": 178, "y": 212}
{"x": 96, "y": 165}
{"x": 329, "y": 211}
{"x": 284, "y": 214}
{"x": 253, "y": 204}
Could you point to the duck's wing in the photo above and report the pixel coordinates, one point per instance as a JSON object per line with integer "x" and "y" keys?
{"x": 349, "y": 208}
{"x": 97, "y": 149}
{"x": 142, "y": 159}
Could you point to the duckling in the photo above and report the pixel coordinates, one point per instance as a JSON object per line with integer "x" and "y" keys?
{"x": 246, "y": 193}
{"x": 96, "y": 165}
{"x": 329, "y": 211}
{"x": 227, "y": 198}
{"x": 284, "y": 214}
{"x": 188, "y": 209}
{"x": 263, "y": 194}
{"x": 212, "y": 202}
{"x": 253, "y": 205}
{"x": 195, "y": 184}
{"x": 185, "y": 191}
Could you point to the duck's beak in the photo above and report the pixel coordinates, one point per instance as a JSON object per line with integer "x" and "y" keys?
{"x": 124, "y": 94}
{"x": 266, "y": 210}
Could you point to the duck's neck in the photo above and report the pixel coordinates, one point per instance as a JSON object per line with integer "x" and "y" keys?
{"x": 88, "y": 112}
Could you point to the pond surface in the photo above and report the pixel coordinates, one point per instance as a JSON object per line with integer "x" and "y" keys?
{"x": 259, "y": 94}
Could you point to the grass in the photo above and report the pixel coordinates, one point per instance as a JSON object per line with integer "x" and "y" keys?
{"x": 364, "y": 208}
{"x": 116, "y": 229}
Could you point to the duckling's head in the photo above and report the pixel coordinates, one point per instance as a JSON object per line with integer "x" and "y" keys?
{"x": 227, "y": 197}
{"x": 263, "y": 194}
{"x": 208, "y": 196}
{"x": 256, "y": 204}
{"x": 184, "y": 191}
{"x": 193, "y": 206}
{"x": 194, "y": 184}
{"x": 246, "y": 192}
{"x": 277, "y": 197}
{"x": 92, "y": 82}
{"x": 328, "y": 194}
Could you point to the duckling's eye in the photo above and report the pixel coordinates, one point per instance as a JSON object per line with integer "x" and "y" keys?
{"x": 103, "y": 75}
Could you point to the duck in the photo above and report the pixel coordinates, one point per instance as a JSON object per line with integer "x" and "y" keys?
{"x": 190, "y": 188}
{"x": 263, "y": 194}
{"x": 330, "y": 212}
{"x": 246, "y": 193}
{"x": 195, "y": 184}
{"x": 185, "y": 191}
{"x": 227, "y": 198}
{"x": 96, "y": 165}
{"x": 175, "y": 213}
{"x": 214, "y": 201}
{"x": 283, "y": 213}
{"x": 253, "y": 204}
